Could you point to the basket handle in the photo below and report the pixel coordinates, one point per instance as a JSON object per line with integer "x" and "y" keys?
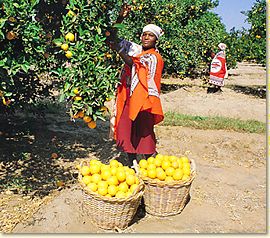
{"x": 135, "y": 166}
{"x": 84, "y": 162}
{"x": 193, "y": 165}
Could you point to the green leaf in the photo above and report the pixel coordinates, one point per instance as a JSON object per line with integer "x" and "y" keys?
{"x": 119, "y": 25}
{"x": 25, "y": 67}
{"x": 62, "y": 97}
{"x": 67, "y": 86}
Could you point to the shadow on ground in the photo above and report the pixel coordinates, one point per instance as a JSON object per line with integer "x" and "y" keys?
{"x": 167, "y": 88}
{"x": 37, "y": 154}
{"x": 257, "y": 91}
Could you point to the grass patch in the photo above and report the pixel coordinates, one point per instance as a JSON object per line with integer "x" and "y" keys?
{"x": 213, "y": 123}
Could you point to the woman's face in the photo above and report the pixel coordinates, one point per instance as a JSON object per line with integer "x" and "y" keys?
{"x": 148, "y": 40}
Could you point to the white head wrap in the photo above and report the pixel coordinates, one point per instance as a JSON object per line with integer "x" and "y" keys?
{"x": 154, "y": 29}
{"x": 222, "y": 46}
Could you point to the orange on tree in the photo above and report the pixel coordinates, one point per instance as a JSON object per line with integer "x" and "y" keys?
{"x": 54, "y": 155}
{"x": 71, "y": 13}
{"x": 76, "y": 90}
{"x": 92, "y": 124}
{"x": 77, "y": 98}
{"x": 87, "y": 119}
{"x": 64, "y": 47}
{"x": 80, "y": 114}
{"x": 68, "y": 54}
{"x": 70, "y": 37}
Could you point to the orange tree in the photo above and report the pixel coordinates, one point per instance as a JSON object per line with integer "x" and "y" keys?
{"x": 65, "y": 40}
{"x": 22, "y": 49}
{"x": 191, "y": 32}
{"x": 250, "y": 44}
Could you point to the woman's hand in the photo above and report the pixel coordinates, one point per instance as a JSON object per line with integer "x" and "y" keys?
{"x": 125, "y": 10}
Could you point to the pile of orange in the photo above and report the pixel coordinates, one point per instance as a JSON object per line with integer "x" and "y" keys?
{"x": 110, "y": 180}
{"x": 165, "y": 168}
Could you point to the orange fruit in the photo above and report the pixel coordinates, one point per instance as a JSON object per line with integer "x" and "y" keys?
{"x": 54, "y": 155}
{"x": 96, "y": 178}
{"x": 186, "y": 171}
{"x": 86, "y": 179}
{"x": 133, "y": 187}
{"x": 114, "y": 163}
{"x": 112, "y": 190}
{"x": 123, "y": 187}
{"x": 151, "y": 160}
{"x": 165, "y": 164}
{"x": 184, "y": 159}
{"x": 102, "y": 183}
{"x": 158, "y": 162}
{"x": 178, "y": 174}
{"x": 85, "y": 170}
{"x": 64, "y": 47}
{"x": 80, "y": 114}
{"x": 105, "y": 174}
{"x": 151, "y": 166}
{"x": 130, "y": 179}
{"x": 152, "y": 173}
{"x": 130, "y": 171}
{"x": 113, "y": 170}
{"x": 169, "y": 171}
{"x": 169, "y": 178}
{"x": 87, "y": 119}
{"x": 95, "y": 169}
{"x": 76, "y": 91}
{"x": 112, "y": 180}
{"x": 70, "y": 37}
{"x": 175, "y": 164}
{"x": 68, "y": 54}
{"x": 120, "y": 194}
{"x": 102, "y": 191}
{"x": 185, "y": 177}
{"x": 161, "y": 175}
{"x": 143, "y": 172}
{"x": 77, "y": 98}
{"x": 159, "y": 156}
{"x": 92, "y": 124}
{"x": 121, "y": 176}
{"x": 92, "y": 186}
{"x": 143, "y": 164}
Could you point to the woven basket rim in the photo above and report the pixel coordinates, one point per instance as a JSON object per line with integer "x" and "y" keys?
{"x": 174, "y": 184}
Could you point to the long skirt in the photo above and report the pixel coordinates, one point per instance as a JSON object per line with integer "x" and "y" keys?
{"x": 136, "y": 136}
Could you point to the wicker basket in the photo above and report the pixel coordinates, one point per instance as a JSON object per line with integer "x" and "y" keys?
{"x": 167, "y": 198}
{"x": 111, "y": 213}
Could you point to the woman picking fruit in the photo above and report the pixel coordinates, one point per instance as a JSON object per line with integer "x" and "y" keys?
{"x": 138, "y": 106}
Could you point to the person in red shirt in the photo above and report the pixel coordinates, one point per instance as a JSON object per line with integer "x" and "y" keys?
{"x": 218, "y": 70}
{"x": 138, "y": 105}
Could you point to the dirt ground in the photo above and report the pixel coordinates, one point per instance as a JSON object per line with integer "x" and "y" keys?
{"x": 228, "y": 194}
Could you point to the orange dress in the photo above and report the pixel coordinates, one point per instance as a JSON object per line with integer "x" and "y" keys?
{"x": 138, "y": 105}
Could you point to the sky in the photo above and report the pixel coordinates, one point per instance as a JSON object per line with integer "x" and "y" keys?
{"x": 230, "y": 13}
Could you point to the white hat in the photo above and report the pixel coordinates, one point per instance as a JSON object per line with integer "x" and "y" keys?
{"x": 154, "y": 29}
{"x": 222, "y": 46}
